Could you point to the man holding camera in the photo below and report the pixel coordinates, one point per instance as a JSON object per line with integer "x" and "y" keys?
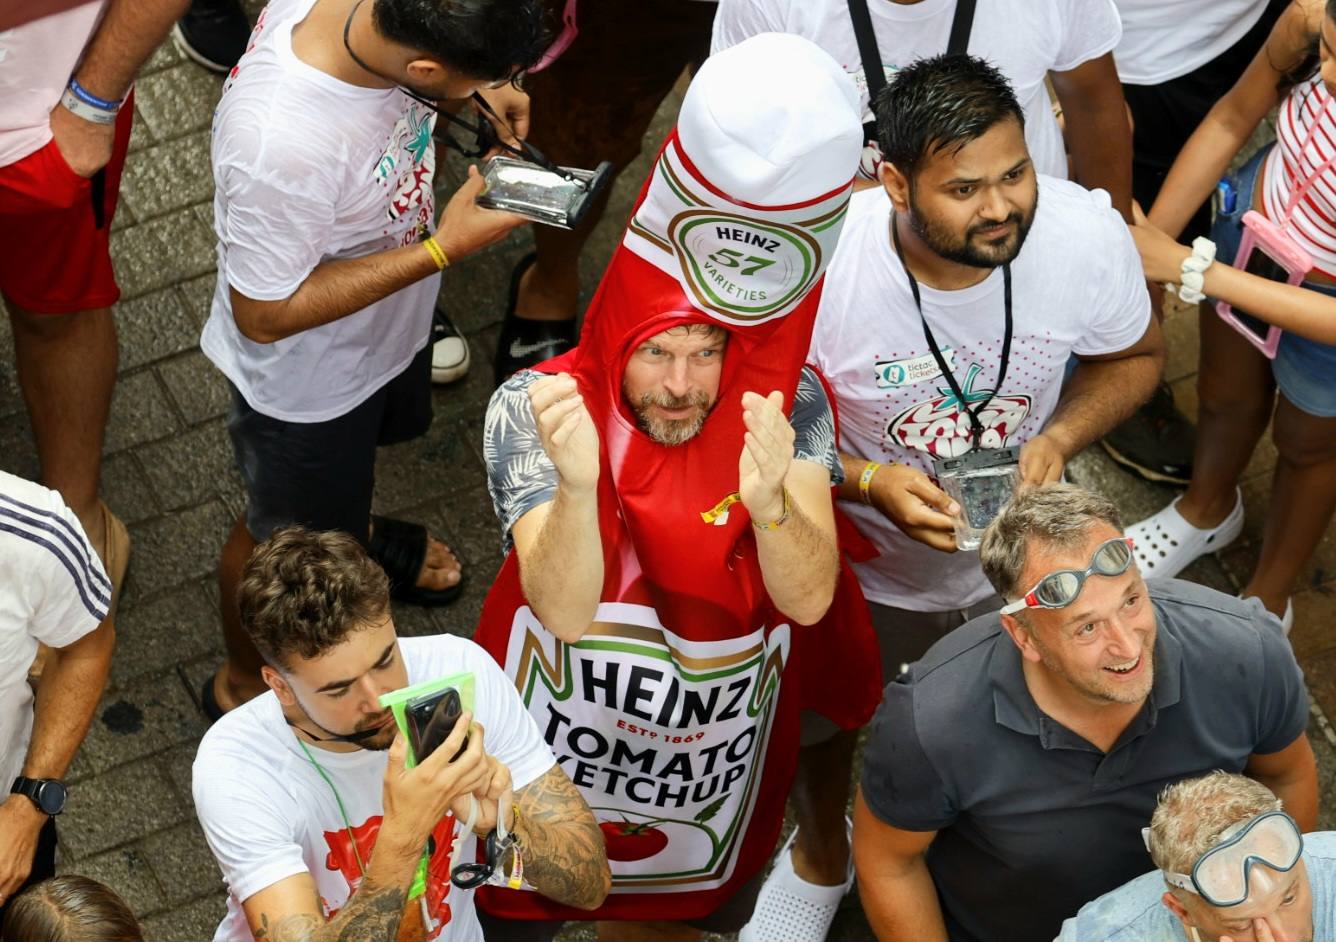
{"x": 303, "y": 792}
{"x": 959, "y": 291}
{"x": 329, "y": 268}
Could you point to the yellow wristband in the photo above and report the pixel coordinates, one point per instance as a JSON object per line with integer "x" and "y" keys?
{"x": 865, "y": 481}
{"x": 436, "y": 252}
{"x": 776, "y": 524}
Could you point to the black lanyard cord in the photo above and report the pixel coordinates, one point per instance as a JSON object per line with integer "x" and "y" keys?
{"x": 976, "y": 426}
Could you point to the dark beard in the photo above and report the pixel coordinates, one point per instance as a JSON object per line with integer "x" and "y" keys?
{"x": 966, "y": 251}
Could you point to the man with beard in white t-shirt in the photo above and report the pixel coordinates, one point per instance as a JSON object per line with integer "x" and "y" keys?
{"x": 1014, "y": 272}
{"x": 303, "y": 793}
{"x": 1067, "y": 42}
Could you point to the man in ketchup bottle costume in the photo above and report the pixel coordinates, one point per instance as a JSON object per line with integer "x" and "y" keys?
{"x": 675, "y": 593}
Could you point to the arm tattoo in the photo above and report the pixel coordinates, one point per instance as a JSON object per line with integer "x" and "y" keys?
{"x": 371, "y": 915}
{"x": 564, "y": 856}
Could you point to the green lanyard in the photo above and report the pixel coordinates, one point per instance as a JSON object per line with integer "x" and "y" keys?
{"x": 419, "y": 886}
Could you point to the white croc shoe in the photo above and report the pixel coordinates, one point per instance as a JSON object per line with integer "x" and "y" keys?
{"x": 789, "y": 909}
{"x": 1166, "y": 543}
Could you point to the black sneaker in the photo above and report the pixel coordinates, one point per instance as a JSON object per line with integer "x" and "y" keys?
{"x": 213, "y": 33}
{"x": 524, "y": 342}
{"x": 1156, "y": 441}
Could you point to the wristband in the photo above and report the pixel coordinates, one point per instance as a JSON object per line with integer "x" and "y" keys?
{"x": 88, "y": 98}
{"x": 865, "y": 481}
{"x": 1193, "y": 279}
{"x": 776, "y": 524}
{"x": 81, "y": 109}
{"x": 436, "y": 252}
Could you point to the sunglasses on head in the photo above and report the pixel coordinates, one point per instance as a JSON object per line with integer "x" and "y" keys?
{"x": 1060, "y": 589}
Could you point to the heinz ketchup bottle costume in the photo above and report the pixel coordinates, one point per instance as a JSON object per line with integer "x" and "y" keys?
{"x": 677, "y": 713}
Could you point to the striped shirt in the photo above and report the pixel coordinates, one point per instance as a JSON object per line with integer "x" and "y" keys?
{"x": 53, "y": 589}
{"x": 1304, "y": 159}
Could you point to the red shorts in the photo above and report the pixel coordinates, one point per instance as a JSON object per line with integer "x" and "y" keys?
{"x": 55, "y": 255}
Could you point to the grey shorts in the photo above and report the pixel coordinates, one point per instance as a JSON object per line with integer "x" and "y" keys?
{"x": 903, "y": 636}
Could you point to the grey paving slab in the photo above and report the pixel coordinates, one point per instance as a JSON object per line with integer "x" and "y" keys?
{"x": 154, "y": 326}
{"x": 183, "y": 863}
{"x": 178, "y": 761}
{"x": 154, "y": 636}
{"x": 123, "y": 805}
{"x": 195, "y": 386}
{"x": 168, "y": 176}
{"x": 192, "y": 466}
{"x": 140, "y": 134}
{"x": 469, "y": 395}
{"x": 127, "y": 869}
{"x": 193, "y": 922}
{"x": 18, "y": 453}
{"x": 162, "y": 251}
{"x": 139, "y": 720}
{"x": 439, "y": 463}
{"x": 178, "y": 101}
{"x": 198, "y": 291}
{"x": 175, "y": 549}
{"x": 140, "y": 413}
{"x": 125, "y": 489}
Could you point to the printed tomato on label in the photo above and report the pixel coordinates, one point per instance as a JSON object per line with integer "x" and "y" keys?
{"x": 627, "y": 841}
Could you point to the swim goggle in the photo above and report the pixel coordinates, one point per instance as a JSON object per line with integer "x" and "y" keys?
{"x": 1060, "y": 589}
{"x": 1220, "y": 876}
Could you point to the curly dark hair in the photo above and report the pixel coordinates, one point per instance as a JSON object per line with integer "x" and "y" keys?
{"x": 303, "y": 592}
{"x": 482, "y": 39}
{"x": 941, "y": 103}
{"x": 70, "y": 908}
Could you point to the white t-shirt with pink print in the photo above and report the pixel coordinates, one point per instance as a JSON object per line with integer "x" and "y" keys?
{"x": 1077, "y": 287}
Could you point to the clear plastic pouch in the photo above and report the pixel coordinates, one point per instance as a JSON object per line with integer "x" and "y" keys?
{"x": 1265, "y": 250}
{"x": 982, "y": 483}
{"x": 528, "y": 190}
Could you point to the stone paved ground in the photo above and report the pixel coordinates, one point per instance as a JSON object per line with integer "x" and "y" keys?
{"x": 168, "y": 474}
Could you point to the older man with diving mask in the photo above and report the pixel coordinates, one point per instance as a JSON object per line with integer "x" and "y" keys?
{"x": 1233, "y": 867}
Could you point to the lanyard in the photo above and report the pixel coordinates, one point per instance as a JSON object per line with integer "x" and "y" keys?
{"x": 1300, "y": 191}
{"x": 976, "y": 426}
{"x": 962, "y": 22}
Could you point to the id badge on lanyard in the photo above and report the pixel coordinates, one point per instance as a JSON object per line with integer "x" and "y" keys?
{"x": 982, "y": 480}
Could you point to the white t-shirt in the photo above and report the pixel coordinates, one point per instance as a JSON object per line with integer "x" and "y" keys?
{"x": 36, "y": 61}
{"x": 308, "y": 168}
{"x": 1077, "y": 287}
{"x": 267, "y": 813}
{"x": 53, "y": 589}
{"x": 1025, "y": 39}
{"x": 1164, "y": 39}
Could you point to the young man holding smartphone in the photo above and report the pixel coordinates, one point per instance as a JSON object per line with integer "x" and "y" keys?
{"x": 303, "y": 792}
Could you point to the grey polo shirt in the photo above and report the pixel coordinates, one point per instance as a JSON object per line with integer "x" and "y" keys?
{"x": 1033, "y": 820}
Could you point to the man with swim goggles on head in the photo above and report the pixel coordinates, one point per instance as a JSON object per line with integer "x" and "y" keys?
{"x": 1237, "y": 867}
{"x": 1028, "y": 737}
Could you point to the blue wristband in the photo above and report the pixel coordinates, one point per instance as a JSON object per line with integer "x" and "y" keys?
{"x": 88, "y": 98}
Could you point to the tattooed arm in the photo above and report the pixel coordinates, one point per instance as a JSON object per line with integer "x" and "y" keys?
{"x": 562, "y": 847}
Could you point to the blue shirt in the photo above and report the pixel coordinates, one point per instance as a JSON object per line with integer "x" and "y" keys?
{"x": 1134, "y": 912}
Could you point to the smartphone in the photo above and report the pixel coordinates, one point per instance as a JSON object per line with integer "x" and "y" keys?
{"x": 1265, "y": 250}
{"x": 430, "y": 718}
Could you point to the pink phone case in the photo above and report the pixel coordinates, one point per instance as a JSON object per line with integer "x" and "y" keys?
{"x": 1262, "y": 235}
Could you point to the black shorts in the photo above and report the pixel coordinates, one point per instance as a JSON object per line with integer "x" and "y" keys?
{"x": 43, "y": 863}
{"x": 320, "y": 474}
{"x": 731, "y": 916}
{"x": 1165, "y": 115}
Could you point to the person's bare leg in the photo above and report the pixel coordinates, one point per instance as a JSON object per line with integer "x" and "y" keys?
{"x": 819, "y": 797}
{"x": 67, "y": 370}
{"x": 238, "y": 680}
{"x": 1236, "y": 393}
{"x": 550, "y": 288}
{"x": 647, "y": 932}
{"x": 1303, "y": 498}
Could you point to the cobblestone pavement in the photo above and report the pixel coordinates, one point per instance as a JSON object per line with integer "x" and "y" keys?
{"x": 169, "y": 475}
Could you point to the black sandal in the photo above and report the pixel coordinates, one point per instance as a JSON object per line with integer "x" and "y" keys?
{"x": 401, "y": 548}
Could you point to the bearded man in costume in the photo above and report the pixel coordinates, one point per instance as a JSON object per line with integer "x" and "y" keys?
{"x": 674, "y": 593}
